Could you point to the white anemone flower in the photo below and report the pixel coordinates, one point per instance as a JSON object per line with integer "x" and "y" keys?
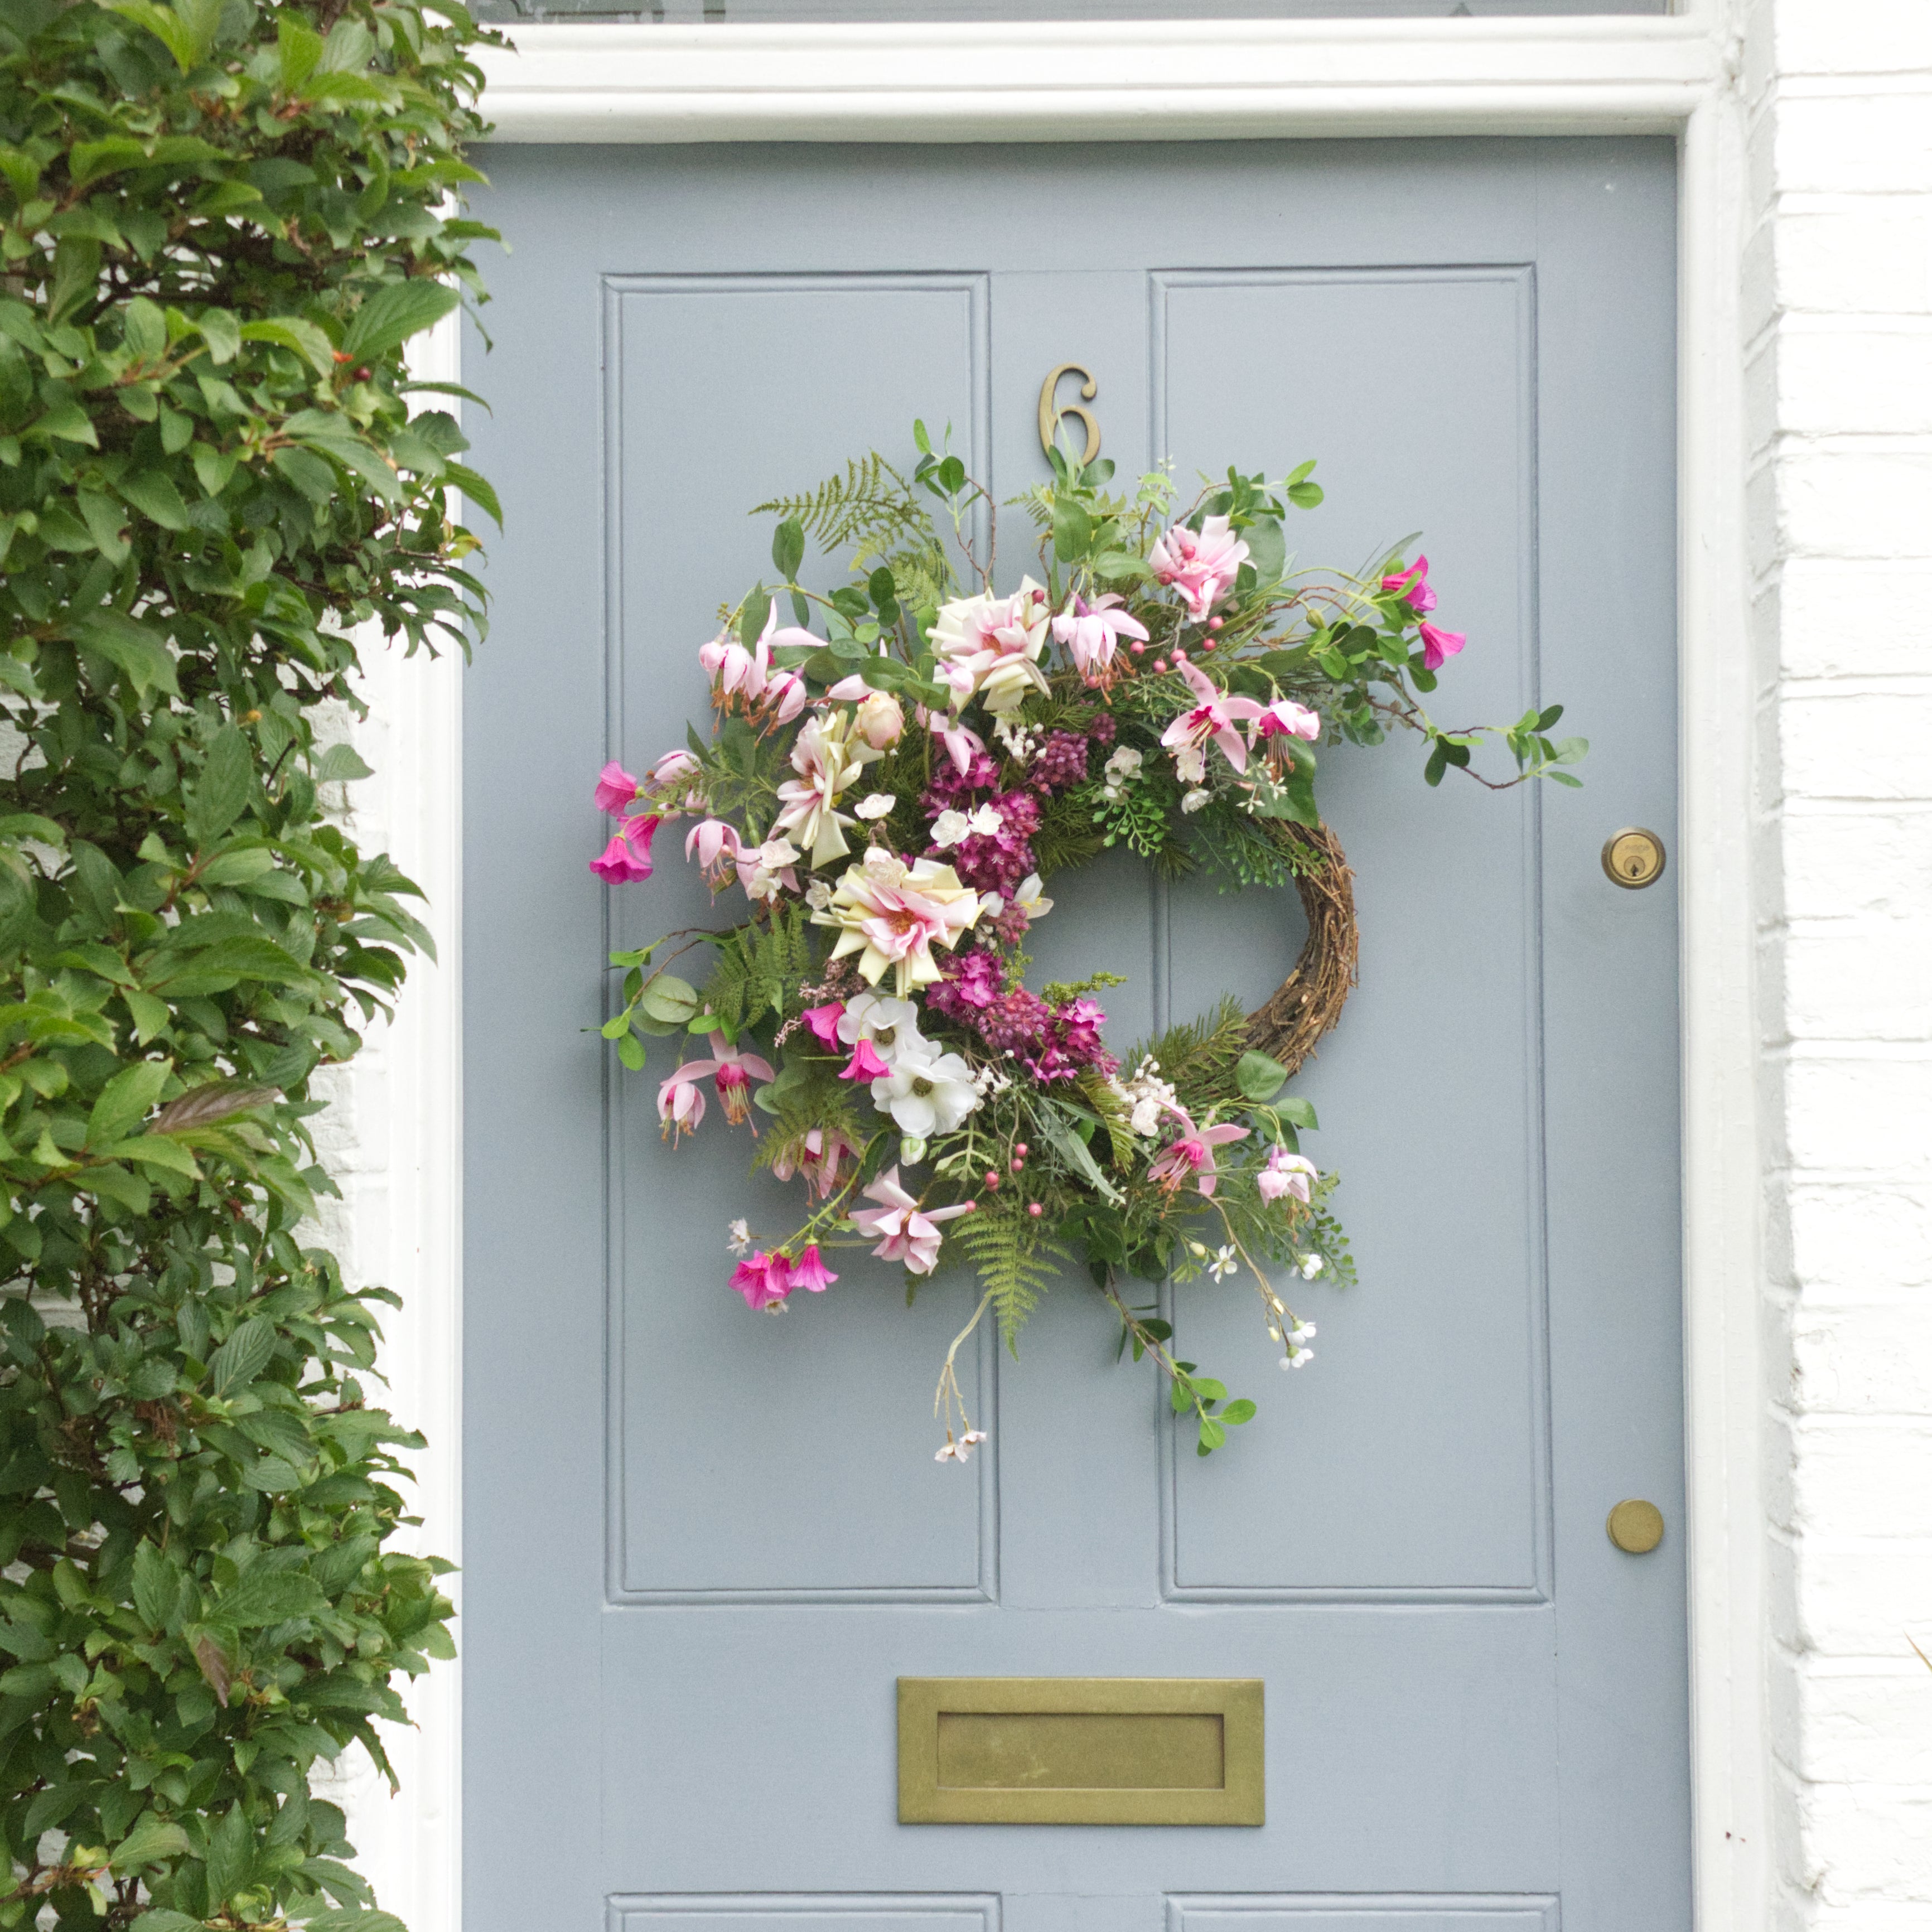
{"x": 926, "y": 1093}
{"x": 891, "y": 1025}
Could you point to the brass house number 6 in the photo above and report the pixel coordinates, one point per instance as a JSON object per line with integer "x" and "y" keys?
{"x": 1050, "y": 412}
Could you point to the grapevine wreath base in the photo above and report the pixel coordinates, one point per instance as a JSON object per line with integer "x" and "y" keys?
{"x": 880, "y": 805}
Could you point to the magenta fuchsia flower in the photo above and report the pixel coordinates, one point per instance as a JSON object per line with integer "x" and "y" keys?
{"x": 809, "y": 1273}
{"x": 1091, "y": 632}
{"x": 1192, "y": 1155}
{"x": 616, "y": 790}
{"x": 818, "y": 1153}
{"x": 1439, "y": 645}
{"x": 681, "y": 1106}
{"x": 1284, "y": 719}
{"x": 1201, "y": 565}
{"x": 1285, "y": 1173}
{"x": 823, "y": 1021}
{"x": 626, "y": 860}
{"x": 905, "y": 1232}
{"x": 764, "y": 1280}
{"x": 1412, "y": 586}
{"x": 1213, "y": 718}
{"x": 865, "y": 1064}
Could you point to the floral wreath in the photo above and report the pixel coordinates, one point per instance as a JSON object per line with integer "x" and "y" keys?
{"x": 1164, "y": 688}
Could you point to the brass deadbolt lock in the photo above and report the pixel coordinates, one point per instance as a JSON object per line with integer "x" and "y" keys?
{"x": 1633, "y": 858}
{"x": 1636, "y": 1526}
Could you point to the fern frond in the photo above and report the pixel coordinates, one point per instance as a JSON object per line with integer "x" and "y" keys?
{"x": 1014, "y": 1260}
{"x": 872, "y": 507}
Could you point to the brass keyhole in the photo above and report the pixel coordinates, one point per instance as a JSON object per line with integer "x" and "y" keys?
{"x": 1636, "y": 1526}
{"x": 1633, "y": 857}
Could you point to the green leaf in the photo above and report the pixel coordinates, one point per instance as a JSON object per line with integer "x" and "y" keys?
{"x": 242, "y": 1357}
{"x": 394, "y": 313}
{"x": 161, "y": 1918}
{"x": 157, "y": 1587}
{"x": 1258, "y": 1077}
{"x": 304, "y": 337}
{"x": 1072, "y": 1149}
{"x": 126, "y": 1099}
{"x": 154, "y": 494}
{"x": 667, "y": 997}
{"x": 788, "y": 548}
{"x": 477, "y": 488}
{"x": 1072, "y": 529}
{"x": 351, "y": 1919}
{"x": 222, "y": 791}
{"x": 187, "y": 29}
{"x": 132, "y": 649}
{"x": 151, "y": 1839}
{"x": 231, "y": 1860}
{"x": 151, "y": 1016}
{"x": 340, "y": 764}
{"x": 221, "y": 332}
{"x": 1238, "y": 1412}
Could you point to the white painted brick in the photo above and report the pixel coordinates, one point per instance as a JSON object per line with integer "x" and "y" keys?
{"x": 1876, "y": 1843}
{"x": 1838, "y": 619}
{"x": 1864, "y": 979}
{"x": 1869, "y": 1362}
{"x": 1869, "y": 1116}
{"x": 1851, "y": 37}
{"x": 1858, "y": 745}
{"x": 1856, "y": 499}
{"x": 1839, "y": 860}
{"x": 1863, "y": 1601}
{"x": 1854, "y": 141}
{"x": 1839, "y": 374}
{"x": 1861, "y": 1479}
{"x": 1848, "y": 1242}
{"x": 1849, "y": 254}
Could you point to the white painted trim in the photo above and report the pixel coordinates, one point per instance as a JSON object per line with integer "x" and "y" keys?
{"x": 1128, "y": 81}
{"x": 1089, "y": 81}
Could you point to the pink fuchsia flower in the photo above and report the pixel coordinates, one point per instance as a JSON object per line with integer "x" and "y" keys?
{"x": 824, "y": 1020}
{"x": 905, "y": 1232}
{"x": 626, "y": 860}
{"x": 893, "y": 914}
{"x": 674, "y": 768}
{"x": 818, "y": 1153}
{"x": 714, "y": 845}
{"x": 1411, "y": 585}
{"x": 1284, "y": 719}
{"x": 1439, "y": 645}
{"x": 1213, "y": 717}
{"x": 733, "y": 1071}
{"x": 616, "y": 790}
{"x": 1091, "y": 632}
{"x": 962, "y": 746}
{"x": 764, "y": 1280}
{"x": 1285, "y": 1173}
{"x": 1201, "y": 566}
{"x": 809, "y": 1273}
{"x": 1192, "y": 1154}
{"x": 992, "y": 646}
{"x": 865, "y": 1064}
{"x": 680, "y": 1103}
{"x": 737, "y": 673}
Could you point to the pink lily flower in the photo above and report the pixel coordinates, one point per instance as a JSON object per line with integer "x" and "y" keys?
{"x": 1091, "y": 632}
{"x": 1213, "y": 718}
{"x": 962, "y": 746}
{"x": 1192, "y": 1154}
{"x": 809, "y": 1273}
{"x": 626, "y": 860}
{"x": 865, "y": 1064}
{"x": 910, "y": 1234}
{"x": 764, "y": 1280}
{"x": 1200, "y": 566}
{"x": 824, "y": 1020}
{"x": 672, "y": 766}
{"x": 1284, "y": 719}
{"x": 1285, "y": 1173}
{"x": 1412, "y": 586}
{"x": 616, "y": 790}
{"x": 738, "y": 672}
{"x": 1439, "y": 645}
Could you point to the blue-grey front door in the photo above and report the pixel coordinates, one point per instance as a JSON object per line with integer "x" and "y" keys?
{"x": 701, "y": 1546}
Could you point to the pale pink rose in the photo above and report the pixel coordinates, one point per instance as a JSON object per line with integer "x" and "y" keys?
{"x": 1201, "y": 566}
{"x": 1285, "y": 1173}
{"x": 1212, "y": 718}
{"x": 906, "y": 1232}
{"x": 626, "y": 860}
{"x": 1092, "y": 631}
{"x": 879, "y": 721}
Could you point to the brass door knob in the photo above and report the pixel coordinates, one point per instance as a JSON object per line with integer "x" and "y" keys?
{"x": 1635, "y": 1526}
{"x": 1633, "y": 857}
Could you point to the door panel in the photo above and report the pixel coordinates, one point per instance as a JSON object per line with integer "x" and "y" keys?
{"x": 701, "y": 1548}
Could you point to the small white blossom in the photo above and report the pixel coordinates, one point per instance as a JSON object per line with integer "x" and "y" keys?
{"x": 1028, "y": 899}
{"x": 986, "y": 820}
{"x": 949, "y": 828}
{"x": 740, "y": 1242}
{"x": 1125, "y": 763}
{"x": 1017, "y": 738}
{"x": 875, "y": 806}
{"x": 1191, "y": 801}
{"x": 1223, "y": 1264}
{"x": 1296, "y": 1358}
{"x": 1300, "y": 1332}
{"x": 1190, "y": 763}
{"x": 1310, "y": 1266}
{"x": 818, "y": 896}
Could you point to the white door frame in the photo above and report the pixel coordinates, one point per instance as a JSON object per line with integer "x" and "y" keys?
{"x": 1142, "y": 80}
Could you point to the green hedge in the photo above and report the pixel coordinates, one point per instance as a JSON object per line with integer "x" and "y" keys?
{"x": 222, "y": 222}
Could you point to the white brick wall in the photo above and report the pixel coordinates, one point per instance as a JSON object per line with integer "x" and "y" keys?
{"x": 1838, "y": 296}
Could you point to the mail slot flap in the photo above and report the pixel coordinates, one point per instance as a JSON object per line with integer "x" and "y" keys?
{"x": 1080, "y": 1750}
